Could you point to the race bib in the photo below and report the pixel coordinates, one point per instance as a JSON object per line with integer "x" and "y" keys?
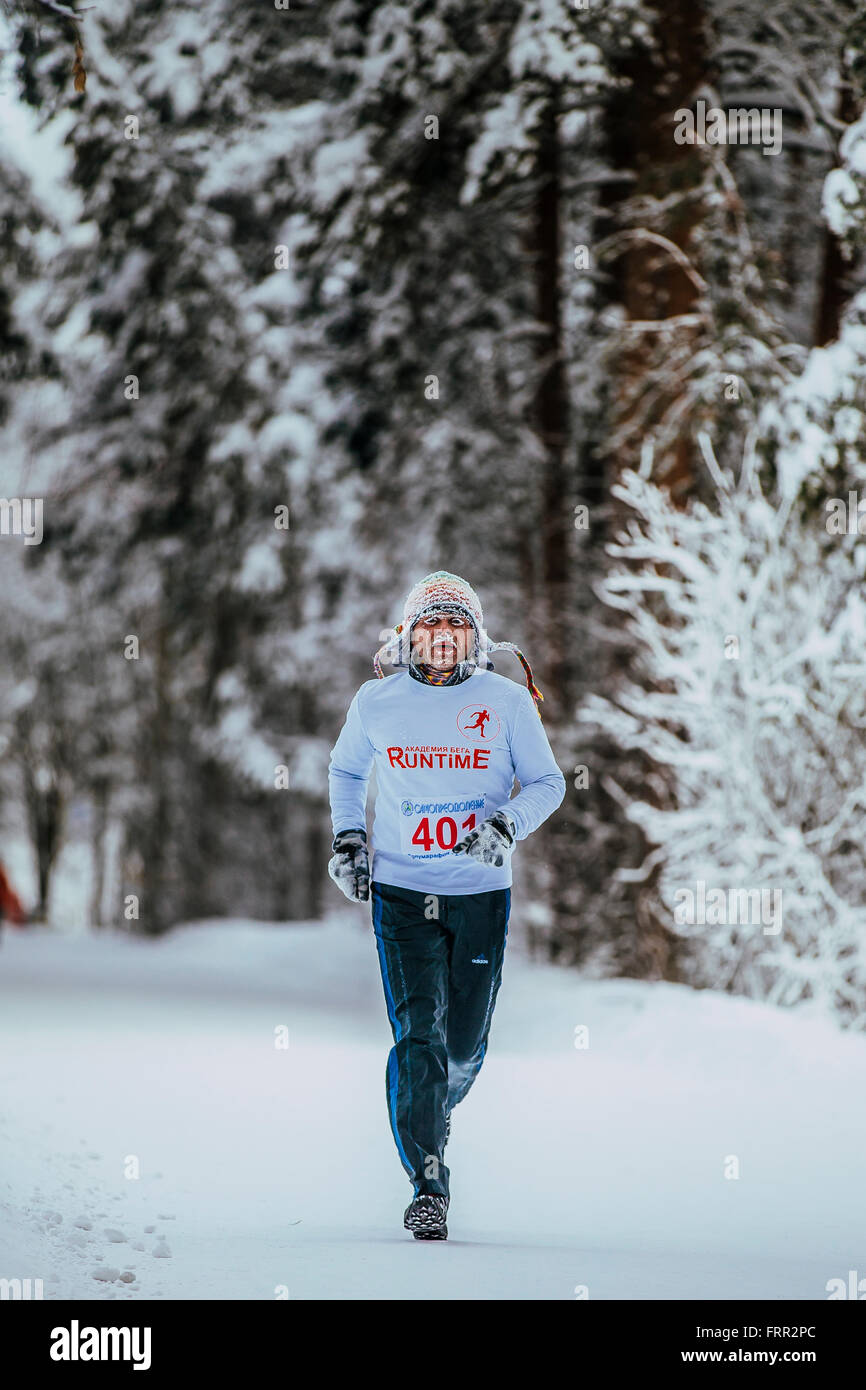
{"x": 431, "y": 829}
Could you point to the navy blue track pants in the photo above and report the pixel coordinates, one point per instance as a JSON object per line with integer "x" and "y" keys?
{"x": 441, "y": 961}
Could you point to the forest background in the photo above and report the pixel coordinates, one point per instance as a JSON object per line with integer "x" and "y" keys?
{"x": 300, "y": 302}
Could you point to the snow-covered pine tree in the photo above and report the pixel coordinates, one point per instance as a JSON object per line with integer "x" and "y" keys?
{"x": 749, "y": 697}
{"x": 715, "y": 285}
{"x": 170, "y": 507}
{"x": 751, "y": 624}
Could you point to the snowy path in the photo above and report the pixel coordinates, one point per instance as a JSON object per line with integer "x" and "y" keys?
{"x": 263, "y": 1167}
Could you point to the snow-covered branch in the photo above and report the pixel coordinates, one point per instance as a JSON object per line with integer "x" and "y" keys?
{"x": 751, "y": 634}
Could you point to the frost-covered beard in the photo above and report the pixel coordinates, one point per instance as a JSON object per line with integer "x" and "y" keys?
{"x": 461, "y": 672}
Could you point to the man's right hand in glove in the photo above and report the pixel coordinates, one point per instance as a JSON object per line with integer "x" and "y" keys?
{"x": 350, "y": 865}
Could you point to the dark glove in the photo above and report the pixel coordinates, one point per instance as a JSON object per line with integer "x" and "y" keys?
{"x": 491, "y": 842}
{"x": 350, "y": 865}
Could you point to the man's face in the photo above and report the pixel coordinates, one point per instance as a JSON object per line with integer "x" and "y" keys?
{"x": 441, "y": 640}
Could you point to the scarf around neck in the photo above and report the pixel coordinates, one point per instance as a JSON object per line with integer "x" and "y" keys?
{"x": 461, "y": 672}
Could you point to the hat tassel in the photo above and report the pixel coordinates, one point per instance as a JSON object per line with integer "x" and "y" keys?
{"x": 530, "y": 683}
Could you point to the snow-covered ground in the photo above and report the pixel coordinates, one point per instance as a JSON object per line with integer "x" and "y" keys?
{"x": 264, "y": 1168}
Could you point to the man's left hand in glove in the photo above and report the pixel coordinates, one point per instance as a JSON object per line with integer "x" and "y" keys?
{"x": 491, "y": 842}
{"x": 350, "y": 865}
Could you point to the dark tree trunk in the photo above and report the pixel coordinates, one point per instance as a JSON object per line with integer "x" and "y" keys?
{"x": 646, "y": 280}
{"x": 551, "y": 423}
{"x": 41, "y": 774}
{"x": 154, "y": 908}
{"x": 553, "y": 610}
{"x": 100, "y": 827}
{"x": 46, "y": 822}
{"x": 607, "y": 916}
{"x": 840, "y": 275}
{"x": 318, "y": 852}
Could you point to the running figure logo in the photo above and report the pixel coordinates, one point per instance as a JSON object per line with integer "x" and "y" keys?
{"x": 481, "y": 718}
{"x": 480, "y": 721}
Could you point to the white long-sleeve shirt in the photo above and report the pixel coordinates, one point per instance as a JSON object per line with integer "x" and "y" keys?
{"x": 446, "y": 757}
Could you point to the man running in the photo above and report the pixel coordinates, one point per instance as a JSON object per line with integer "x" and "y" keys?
{"x": 447, "y": 736}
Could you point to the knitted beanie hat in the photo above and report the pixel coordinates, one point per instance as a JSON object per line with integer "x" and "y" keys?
{"x": 443, "y": 592}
